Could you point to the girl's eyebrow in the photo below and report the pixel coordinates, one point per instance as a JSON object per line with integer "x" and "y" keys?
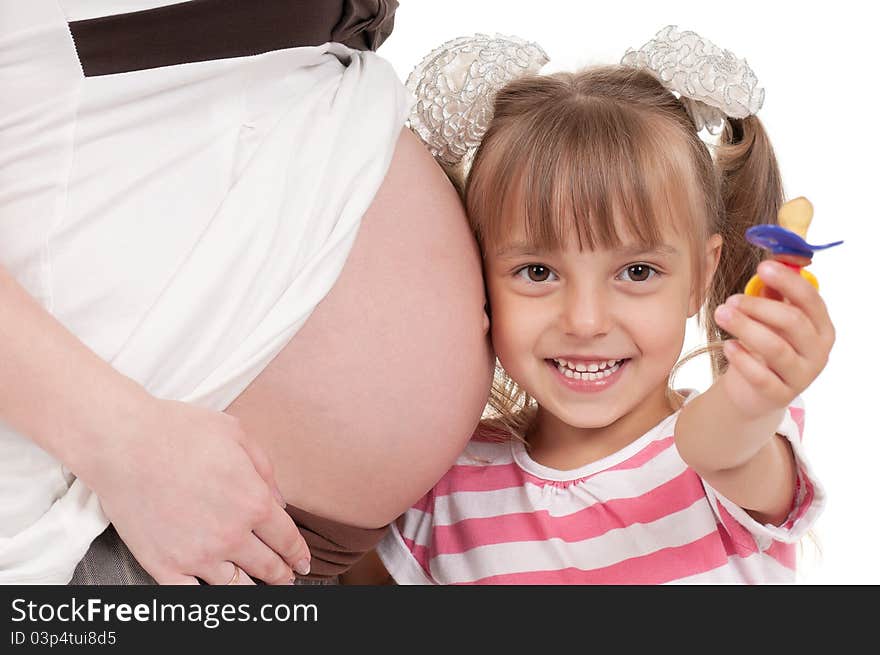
{"x": 519, "y": 248}
{"x": 663, "y": 249}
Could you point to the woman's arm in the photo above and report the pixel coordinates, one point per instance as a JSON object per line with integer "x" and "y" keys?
{"x": 143, "y": 456}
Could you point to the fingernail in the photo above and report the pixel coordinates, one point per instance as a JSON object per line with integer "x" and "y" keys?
{"x": 734, "y": 300}
{"x": 292, "y": 580}
{"x": 303, "y": 566}
{"x": 770, "y": 267}
{"x": 280, "y": 498}
{"x": 722, "y": 313}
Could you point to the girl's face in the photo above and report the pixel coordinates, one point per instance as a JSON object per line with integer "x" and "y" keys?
{"x": 592, "y": 335}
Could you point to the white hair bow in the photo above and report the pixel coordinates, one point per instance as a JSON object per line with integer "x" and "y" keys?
{"x": 712, "y": 83}
{"x": 455, "y": 86}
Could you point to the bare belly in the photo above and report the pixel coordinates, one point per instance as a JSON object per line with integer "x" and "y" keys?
{"x": 374, "y": 397}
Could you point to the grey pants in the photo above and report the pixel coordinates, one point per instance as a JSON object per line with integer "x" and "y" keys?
{"x": 110, "y": 562}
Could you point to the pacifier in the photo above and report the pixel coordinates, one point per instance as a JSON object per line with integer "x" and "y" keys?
{"x": 786, "y": 243}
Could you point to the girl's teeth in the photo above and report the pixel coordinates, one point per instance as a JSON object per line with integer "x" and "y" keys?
{"x": 587, "y": 372}
{"x": 583, "y": 368}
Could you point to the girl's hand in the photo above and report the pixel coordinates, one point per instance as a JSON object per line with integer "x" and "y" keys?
{"x": 190, "y": 495}
{"x": 780, "y": 347}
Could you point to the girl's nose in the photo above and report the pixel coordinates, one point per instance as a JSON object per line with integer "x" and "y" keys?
{"x": 586, "y": 312}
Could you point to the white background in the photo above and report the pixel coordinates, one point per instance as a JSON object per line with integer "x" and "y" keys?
{"x": 819, "y": 67}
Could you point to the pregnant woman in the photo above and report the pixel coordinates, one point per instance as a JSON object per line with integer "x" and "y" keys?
{"x": 227, "y": 273}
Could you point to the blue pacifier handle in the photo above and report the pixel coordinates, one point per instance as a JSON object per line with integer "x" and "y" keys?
{"x": 780, "y": 241}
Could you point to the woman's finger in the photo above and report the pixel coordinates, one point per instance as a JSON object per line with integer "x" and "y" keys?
{"x": 262, "y": 464}
{"x": 175, "y": 579}
{"x": 263, "y": 563}
{"x": 226, "y": 573}
{"x": 281, "y": 535}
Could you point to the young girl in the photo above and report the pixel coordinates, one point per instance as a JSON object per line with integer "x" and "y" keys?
{"x": 604, "y": 224}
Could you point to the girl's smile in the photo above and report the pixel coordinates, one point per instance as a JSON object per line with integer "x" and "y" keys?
{"x": 587, "y": 374}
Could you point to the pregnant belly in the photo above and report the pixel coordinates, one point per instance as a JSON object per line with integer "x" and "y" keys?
{"x": 374, "y": 397}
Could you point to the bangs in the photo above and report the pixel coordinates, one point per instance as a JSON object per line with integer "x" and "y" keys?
{"x": 586, "y": 167}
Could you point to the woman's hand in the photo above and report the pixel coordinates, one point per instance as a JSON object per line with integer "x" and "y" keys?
{"x": 190, "y": 495}
{"x": 185, "y": 488}
{"x": 780, "y": 346}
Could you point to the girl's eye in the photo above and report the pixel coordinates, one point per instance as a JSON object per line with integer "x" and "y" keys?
{"x": 535, "y": 273}
{"x": 638, "y": 273}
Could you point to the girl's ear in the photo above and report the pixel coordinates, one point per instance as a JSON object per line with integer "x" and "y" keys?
{"x": 710, "y": 265}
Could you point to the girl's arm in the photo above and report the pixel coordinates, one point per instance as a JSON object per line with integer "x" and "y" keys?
{"x": 742, "y": 459}
{"x": 143, "y": 456}
{"x": 727, "y": 435}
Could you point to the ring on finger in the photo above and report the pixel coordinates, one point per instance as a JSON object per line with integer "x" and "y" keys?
{"x": 235, "y": 574}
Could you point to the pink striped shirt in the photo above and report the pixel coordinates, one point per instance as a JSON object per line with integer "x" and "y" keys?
{"x": 638, "y": 516}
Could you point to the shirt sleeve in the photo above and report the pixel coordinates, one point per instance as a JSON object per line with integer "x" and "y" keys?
{"x": 807, "y": 503}
{"x": 405, "y": 549}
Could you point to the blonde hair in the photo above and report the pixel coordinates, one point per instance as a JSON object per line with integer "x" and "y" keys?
{"x": 579, "y": 153}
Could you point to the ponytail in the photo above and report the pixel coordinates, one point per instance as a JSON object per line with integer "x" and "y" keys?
{"x": 751, "y": 194}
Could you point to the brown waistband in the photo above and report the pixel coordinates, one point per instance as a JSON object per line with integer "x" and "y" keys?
{"x": 334, "y": 547}
{"x": 202, "y": 30}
